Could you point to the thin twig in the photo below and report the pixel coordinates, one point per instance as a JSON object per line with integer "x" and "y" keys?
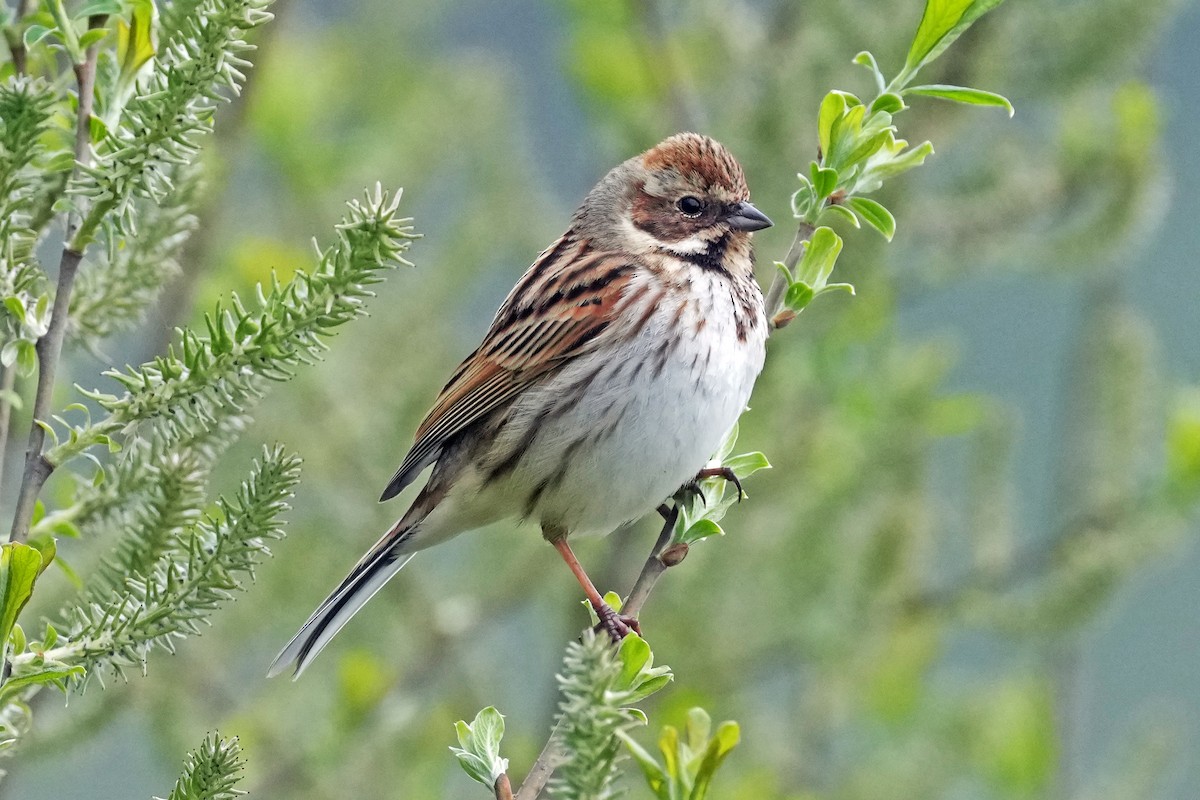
{"x": 503, "y": 788}
{"x": 539, "y": 774}
{"x": 49, "y": 346}
{"x": 654, "y": 567}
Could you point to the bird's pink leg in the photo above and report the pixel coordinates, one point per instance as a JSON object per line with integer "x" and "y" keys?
{"x": 617, "y": 626}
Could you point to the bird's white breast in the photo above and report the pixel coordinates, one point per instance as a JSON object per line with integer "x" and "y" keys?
{"x": 654, "y": 408}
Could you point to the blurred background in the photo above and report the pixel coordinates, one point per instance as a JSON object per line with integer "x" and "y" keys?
{"x": 973, "y": 571}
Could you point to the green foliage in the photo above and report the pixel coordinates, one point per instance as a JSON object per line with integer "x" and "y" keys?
{"x": 194, "y": 574}
{"x": 599, "y": 684}
{"x": 211, "y": 771}
{"x": 689, "y": 761}
{"x": 26, "y": 108}
{"x": 129, "y": 272}
{"x": 162, "y": 124}
{"x": 125, "y": 183}
{"x": 942, "y": 23}
{"x": 214, "y": 377}
{"x": 858, "y": 151}
{"x": 20, "y": 566}
{"x": 700, "y": 514}
{"x": 479, "y": 746}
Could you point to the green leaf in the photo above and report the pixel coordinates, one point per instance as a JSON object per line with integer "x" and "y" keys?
{"x": 786, "y": 273}
{"x": 833, "y": 107}
{"x": 875, "y": 215}
{"x": 799, "y": 295}
{"x": 47, "y": 548}
{"x": 962, "y": 94}
{"x": 15, "y": 307}
{"x": 727, "y": 737}
{"x": 55, "y": 674}
{"x": 942, "y": 22}
{"x": 656, "y": 777}
{"x": 94, "y": 36}
{"x": 60, "y": 162}
{"x": 865, "y": 59}
{"x": 824, "y": 180}
{"x": 888, "y": 102}
{"x": 97, "y": 129}
{"x": 701, "y": 529}
{"x": 134, "y": 44}
{"x": 35, "y": 33}
{"x": 633, "y": 653}
{"x": 819, "y": 257}
{"x": 479, "y": 753}
{"x": 848, "y": 288}
{"x": 840, "y": 211}
{"x": 20, "y": 566}
{"x": 746, "y": 464}
{"x": 98, "y": 8}
{"x": 1016, "y": 743}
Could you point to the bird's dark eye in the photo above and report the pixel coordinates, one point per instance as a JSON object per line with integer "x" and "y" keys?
{"x": 690, "y": 206}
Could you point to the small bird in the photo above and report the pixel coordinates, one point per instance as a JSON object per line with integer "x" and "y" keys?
{"x": 606, "y": 381}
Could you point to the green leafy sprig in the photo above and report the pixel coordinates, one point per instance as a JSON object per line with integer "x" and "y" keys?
{"x": 161, "y": 125}
{"x": 128, "y": 273}
{"x": 599, "y": 685}
{"x": 858, "y": 151}
{"x": 210, "y": 378}
{"x": 689, "y": 761}
{"x": 191, "y": 579}
{"x": 211, "y": 772}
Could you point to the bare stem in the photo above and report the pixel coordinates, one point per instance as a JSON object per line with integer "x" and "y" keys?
{"x": 49, "y": 346}
{"x": 539, "y": 774}
{"x": 653, "y": 569}
{"x": 503, "y": 788}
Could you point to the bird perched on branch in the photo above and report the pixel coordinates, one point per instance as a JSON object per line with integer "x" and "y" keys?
{"x": 607, "y": 378}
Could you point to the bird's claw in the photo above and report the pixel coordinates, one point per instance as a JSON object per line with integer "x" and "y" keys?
{"x": 720, "y": 472}
{"x": 617, "y": 626}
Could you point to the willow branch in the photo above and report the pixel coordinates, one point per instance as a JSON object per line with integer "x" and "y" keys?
{"x": 49, "y": 346}
{"x": 539, "y": 774}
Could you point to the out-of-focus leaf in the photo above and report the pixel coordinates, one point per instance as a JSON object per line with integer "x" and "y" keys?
{"x": 727, "y": 737}
{"x": 1016, "y": 744}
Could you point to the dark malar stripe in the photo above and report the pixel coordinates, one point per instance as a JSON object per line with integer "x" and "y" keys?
{"x": 712, "y": 259}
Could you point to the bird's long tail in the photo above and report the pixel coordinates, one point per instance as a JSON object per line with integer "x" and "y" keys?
{"x": 369, "y": 575}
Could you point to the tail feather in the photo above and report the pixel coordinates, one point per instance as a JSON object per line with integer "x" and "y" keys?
{"x": 368, "y": 577}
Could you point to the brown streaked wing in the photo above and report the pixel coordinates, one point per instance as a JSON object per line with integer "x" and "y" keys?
{"x": 554, "y": 313}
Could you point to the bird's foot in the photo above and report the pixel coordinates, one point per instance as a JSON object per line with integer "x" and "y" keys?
{"x": 617, "y": 626}
{"x": 692, "y": 488}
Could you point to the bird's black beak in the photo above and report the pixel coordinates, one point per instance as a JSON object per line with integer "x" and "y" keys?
{"x": 745, "y": 217}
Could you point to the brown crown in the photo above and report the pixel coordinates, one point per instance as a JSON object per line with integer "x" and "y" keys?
{"x": 693, "y": 154}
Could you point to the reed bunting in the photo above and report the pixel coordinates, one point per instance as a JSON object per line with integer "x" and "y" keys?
{"x": 607, "y": 379}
